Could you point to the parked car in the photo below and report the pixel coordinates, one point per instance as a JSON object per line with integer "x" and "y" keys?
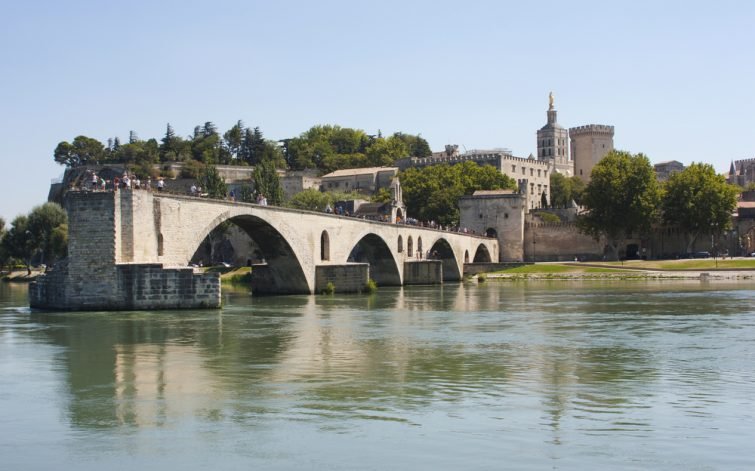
{"x": 702, "y": 255}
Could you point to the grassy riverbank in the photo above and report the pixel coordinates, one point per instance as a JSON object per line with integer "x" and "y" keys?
{"x": 636, "y": 269}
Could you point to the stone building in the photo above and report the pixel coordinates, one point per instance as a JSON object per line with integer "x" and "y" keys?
{"x": 664, "y": 170}
{"x": 294, "y": 182}
{"x": 589, "y": 144}
{"x": 553, "y": 144}
{"x": 742, "y": 172}
{"x": 364, "y": 180}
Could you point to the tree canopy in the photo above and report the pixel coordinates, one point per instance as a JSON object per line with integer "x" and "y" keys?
{"x": 41, "y": 233}
{"x": 432, "y": 193}
{"x": 622, "y": 198}
{"x": 323, "y": 147}
{"x": 565, "y": 189}
{"x": 698, "y": 201}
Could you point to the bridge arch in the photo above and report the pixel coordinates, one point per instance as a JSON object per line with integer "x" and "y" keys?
{"x": 482, "y": 255}
{"x": 442, "y": 250}
{"x": 374, "y": 250}
{"x": 283, "y": 270}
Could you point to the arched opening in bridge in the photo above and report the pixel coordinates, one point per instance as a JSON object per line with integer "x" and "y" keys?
{"x": 466, "y": 256}
{"x": 419, "y": 247}
{"x": 275, "y": 267}
{"x": 324, "y": 246}
{"x": 372, "y": 249}
{"x": 400, "y": 244}
{"x": 482, "y": 255}
{"x": 441, "y": 250}
{"x": 409, "y": 247}
{"x": 490, "y": 232}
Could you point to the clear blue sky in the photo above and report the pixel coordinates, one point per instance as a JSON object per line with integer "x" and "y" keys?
{"x": 675, "y": 77}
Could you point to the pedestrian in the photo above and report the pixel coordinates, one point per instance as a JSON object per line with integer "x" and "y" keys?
{"x": 160, "y": 184}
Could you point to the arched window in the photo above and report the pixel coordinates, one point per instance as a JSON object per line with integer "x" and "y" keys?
{"x": 409, "y": 246}
{"x": 324, "y": 246}
{"x": 419, "y": 247}
{"x": 466, "y": 256}
{"x": 160, "y": 246}
{"x": 400, "y": 244}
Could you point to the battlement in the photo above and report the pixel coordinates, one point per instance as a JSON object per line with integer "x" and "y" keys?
{"x": 473, "y": 156}
{"x": 743, "y": 162}
{"x": 591, "y": 129}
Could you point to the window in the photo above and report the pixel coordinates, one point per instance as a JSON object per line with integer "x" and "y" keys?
{"x": 538, "y": 172}
{"x": 324, "y": 246}
{"x": 409, "y": 246}
{"x": 400, "y": 244}
{"x": 513, "y": 168}
{"x": 532, "y": 172}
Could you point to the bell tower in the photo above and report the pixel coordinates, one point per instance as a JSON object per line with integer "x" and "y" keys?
{"x": 553, "y": 143}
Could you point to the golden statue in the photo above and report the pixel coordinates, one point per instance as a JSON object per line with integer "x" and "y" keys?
{"x": 550, "y": 101}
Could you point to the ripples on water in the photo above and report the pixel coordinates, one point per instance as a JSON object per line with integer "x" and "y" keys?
{"x": 536, "y": 375}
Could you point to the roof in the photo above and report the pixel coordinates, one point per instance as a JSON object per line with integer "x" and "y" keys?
{"x": 668, "y": 162}
{"x": 493, "y": 192}
{"x": 350, "y": 172}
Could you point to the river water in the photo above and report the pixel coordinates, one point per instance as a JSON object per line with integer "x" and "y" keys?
{"x": 528, "y": 375}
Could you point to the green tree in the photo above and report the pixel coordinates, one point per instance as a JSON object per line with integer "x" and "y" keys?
{"x": 432, "y": 193}
{"x": 234, "y": 139}
{"x": 698, "y": 201}
{"x": 18, "y": 243}
{"x": 41, "y": 224}
{"x": 416, "y": 146}
{"x": 81, "y": 151}
{"x": 622, "y": 198}
{"x": 384, "y": 152}
{"x": 310, "y": 199}
{"x": 561, "y": 193}
{"x": 266, "y": 180}
{"x": 383, "y": 195}
{"x": 212, "y": 183}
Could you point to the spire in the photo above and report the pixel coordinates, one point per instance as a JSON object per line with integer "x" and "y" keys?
{"x": 732, "y": 169}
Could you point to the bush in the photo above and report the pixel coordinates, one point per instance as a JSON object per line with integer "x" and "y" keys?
{"x": 330, "y": 288}
{"x": 192, "y": 169}
{"x": 482, "y": 277}
{"x": 371, "y": 287}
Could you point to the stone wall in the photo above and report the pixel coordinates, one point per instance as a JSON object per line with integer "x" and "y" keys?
{"x": 425, "y": 272}
{"x": 559, "y": 242}
{"x": 348, "y": 278}
{"x": 500, "y": 215}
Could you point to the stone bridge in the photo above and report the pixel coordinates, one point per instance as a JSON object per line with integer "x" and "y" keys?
{"x": 131, "y": 249}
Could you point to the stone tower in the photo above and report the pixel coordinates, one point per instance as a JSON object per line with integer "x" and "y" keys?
{"x": 589, "y": 144}
{"x": 553, "y": 143}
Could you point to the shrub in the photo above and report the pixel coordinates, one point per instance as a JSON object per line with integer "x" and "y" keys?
{"x": 330, "y": 288}
{"x": 482, "y": 277}
{"x": 371, "y": 287}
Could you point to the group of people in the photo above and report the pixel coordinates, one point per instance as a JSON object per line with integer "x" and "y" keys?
{"x": 126, "y": 182}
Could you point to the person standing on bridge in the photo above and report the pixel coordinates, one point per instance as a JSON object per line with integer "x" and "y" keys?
{"x": 160, "y": 184}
